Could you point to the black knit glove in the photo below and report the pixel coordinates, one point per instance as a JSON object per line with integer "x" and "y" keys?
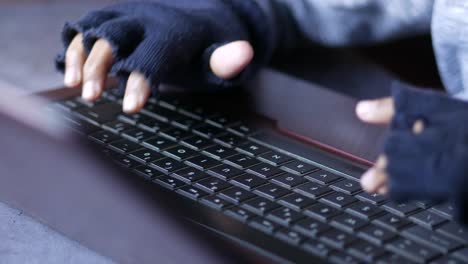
{"x": 172, "y": 40}
{"x": 432, "y": 165}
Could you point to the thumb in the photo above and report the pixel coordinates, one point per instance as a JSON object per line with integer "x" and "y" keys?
{"x": 229, "y": 60}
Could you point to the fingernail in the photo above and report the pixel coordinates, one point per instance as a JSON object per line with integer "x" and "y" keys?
{"x": 364, "y": 108}
{"x": 89, "y": 91}
{"x": 130, "y": 103}
{"x": 367, "y": 179}
{"x": 71, "y": 77}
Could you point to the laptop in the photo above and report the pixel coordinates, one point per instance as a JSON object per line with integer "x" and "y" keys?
{"x": 265, "y": 174}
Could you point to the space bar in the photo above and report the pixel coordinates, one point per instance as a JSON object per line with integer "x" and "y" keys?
{"x": 308, "y": 154}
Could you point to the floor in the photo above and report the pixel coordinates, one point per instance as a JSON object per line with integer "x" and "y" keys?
{"x": 30, "y": 33}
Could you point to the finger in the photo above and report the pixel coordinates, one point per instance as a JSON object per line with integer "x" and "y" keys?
{"x": 136, "y": 93}
{"x": 383, "y": 190}
{"x": 74, "y": 60}
{"x": 96, "y": 69}
{"x": 229, "y": 60}
{"x": 373, "y": 180}
{"x": 418, "y": 127}
{"x": 378, "y": 111}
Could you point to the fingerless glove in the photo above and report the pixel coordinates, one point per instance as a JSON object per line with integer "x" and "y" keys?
{"x": 432, "y": 165}
{"x": 172, "y": 40}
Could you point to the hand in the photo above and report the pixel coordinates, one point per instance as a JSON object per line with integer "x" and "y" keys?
{"x": 226, "y": 62}
{"x": 380, "y": 111}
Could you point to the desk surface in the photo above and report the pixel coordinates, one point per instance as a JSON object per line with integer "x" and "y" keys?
{"x": 24, "y": 240}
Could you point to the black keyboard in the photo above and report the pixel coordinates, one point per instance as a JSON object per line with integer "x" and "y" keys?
{"x": 217, "y": 161}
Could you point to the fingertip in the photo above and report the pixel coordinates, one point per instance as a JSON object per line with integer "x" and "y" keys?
{"x": 231, "y": 59}
{"x": 136, "y": 93}
{"x": 368, "y": 181}
{"x": 364, "y": 110}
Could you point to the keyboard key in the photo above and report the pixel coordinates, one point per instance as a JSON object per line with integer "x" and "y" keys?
{"x": 346, "y": 186}
{"x": 236, "y": 194}
{"x": 152, "y": 125}
{"x": 427, "y": 219}
{"x": 295, "y": 201}
{"x": 391, "y": 222}
{"x": 312, "y": 190}
{"x": 259, "y": 205}
{"x": 284, "y": 216}
{"x": 207, "y": 131}
{"x": 169, "y": 182}
{"x": 288, "y": 180}
{"x": 366, "y": 251}
{"x": 321, "y": 212}
{"x": 104, "y": 137}
{"x": 264, "y": 225}
{"x": 339, "y": 200}
{"x": 212, "y": 184}
{"x": 343, "y": 258}
{"x": 100, "y": 114}
{"x": 239, "y": 213}
{"x": 275, "y": 158}
{"x": 197, "y": 142}
{"x": 401, "y": 209}
{"x": 444, "y": 209}
{"x": 271, "y": 191}
{"x": 147, "y": 172}
{"x": 454, "y": 231}
{"x": 203, "y": 162}
{"x": 190, "y": 175}
{"x": 337, "y": 238}
{"x": 146, "y": 155}
{"x": 447, "y": 259}
{"x": 225, "y": 171}
{"x": 175, "y": 134}
{"x": 229, "y": 140}
{"x": 196, "y": 112}
{"x": 191, "y": 192}
{"x": 373, "y": 198}
{"x": 299, "y": 167}
{"x": 316, "y": 248}
{"x": 348, "y": 223}
{"x": 412, "y": 250}
{"x": 376, "y": 234}
{"x": 124, "y": 161}
{"x": 241, "y": 129}
{"x": 167, "y": 165}
{"x": 431, "y": 239}
{"x": 252, "y": 149}
{"x": 461, "y": 254}
{"x": 248, "y": 181}
{"x": 116, "y": 126}
{"x": 215, "y": 202}
{"x": 264, "y": 170}
{"x": 137, "y": 134}
{"x": 185, "y": 122}
{"x": 289, "y": 236}
{"x": 323, "y": 177}
{"x": 221, "y": 120}
{"x": 124, "y": 146}
{"x": 364, "y": 210}
{"x": 158, "y": 143}
{"x": 131, "y": 119}
{"x": 219, "y": 152}
{"x": 241, "y": 161}
{"x": 390, "y": 258}
{"x": 159, "y": 112}
{"x": 310, "y": 227}
{"x": 69, "y": 105}
{"x": 180, "y": 152}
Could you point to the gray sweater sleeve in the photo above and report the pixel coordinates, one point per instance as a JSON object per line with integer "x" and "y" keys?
{"x": 349, "y": 22}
